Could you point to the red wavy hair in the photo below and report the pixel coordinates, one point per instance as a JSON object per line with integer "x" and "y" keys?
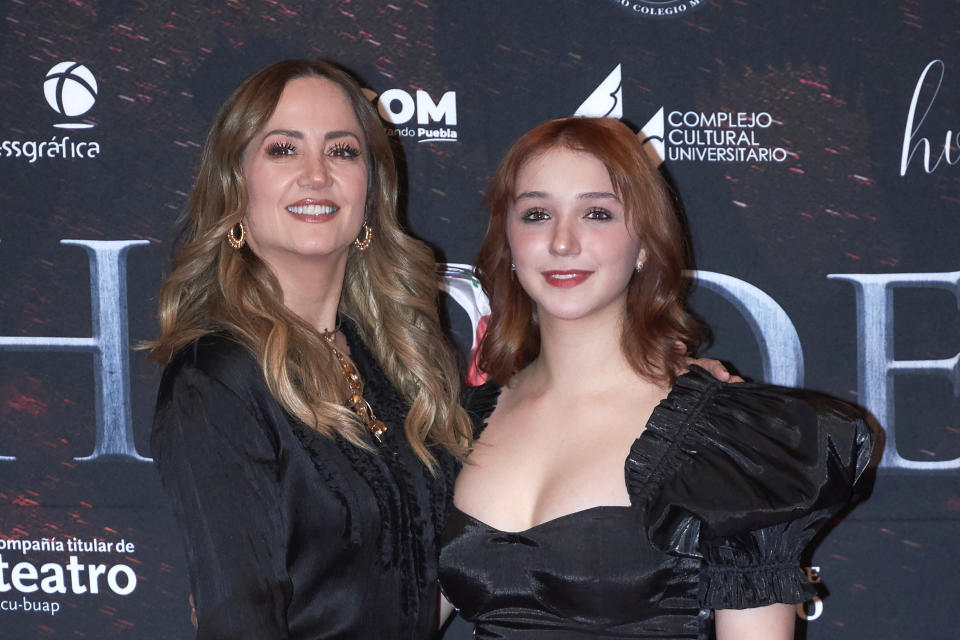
{"x": 656, "y": 319}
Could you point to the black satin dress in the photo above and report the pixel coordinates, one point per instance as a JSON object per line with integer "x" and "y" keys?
{"x": 290, "y": 534}
{"x": 727, "y": 483}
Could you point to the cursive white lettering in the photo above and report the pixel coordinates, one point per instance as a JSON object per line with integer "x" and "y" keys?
{"x": 911, "y": 143}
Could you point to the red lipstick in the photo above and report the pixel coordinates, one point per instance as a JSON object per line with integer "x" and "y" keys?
{"x": 566, "y": 279}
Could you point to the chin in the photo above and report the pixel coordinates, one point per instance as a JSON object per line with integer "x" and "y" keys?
{"x": 320, "y": 248}
{"x": 581, "y": 309}
{"x": 564, "y": 312}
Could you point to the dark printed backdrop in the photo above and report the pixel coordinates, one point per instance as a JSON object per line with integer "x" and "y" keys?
{"x": 812, "y": 143}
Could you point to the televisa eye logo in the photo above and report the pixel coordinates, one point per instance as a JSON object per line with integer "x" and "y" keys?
{"x": 690, "y": 135}
{"x": 70, "y": 89}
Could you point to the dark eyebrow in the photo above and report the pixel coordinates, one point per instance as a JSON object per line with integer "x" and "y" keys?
{"x": 331, "y": 135}
{"x": 290, "y": 133}
{"x": 530, "y": 194}
{"x": 589, "y": 195}
{"x": 598, "y": 195}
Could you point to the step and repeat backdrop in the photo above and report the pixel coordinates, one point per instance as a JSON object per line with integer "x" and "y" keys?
{"x": 813, "y": 145}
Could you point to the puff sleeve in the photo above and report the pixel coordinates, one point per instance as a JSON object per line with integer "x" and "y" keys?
{"x": 743, "y": 476}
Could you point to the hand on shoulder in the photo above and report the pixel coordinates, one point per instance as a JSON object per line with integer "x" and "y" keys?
{"x": 714, "y": 368}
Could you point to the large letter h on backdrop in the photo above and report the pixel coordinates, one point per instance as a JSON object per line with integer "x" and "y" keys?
{"x": 108, "y": 344}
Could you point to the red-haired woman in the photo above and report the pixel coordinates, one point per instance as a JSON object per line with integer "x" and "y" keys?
{"x": 607, "y": 495}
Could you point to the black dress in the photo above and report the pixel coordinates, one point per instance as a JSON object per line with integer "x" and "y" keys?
{"x": 290, "y": 534}
{"x": 728, "y": 484}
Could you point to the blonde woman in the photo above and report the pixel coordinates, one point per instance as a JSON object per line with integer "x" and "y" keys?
{"x": 307, "y": 423}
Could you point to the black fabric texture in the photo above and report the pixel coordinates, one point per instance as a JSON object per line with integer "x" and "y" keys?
{"x": 288, "y": 533}
{"x": 728, "y": 485}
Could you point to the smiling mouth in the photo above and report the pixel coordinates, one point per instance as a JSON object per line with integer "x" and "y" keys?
{"x": 313, "y": 209}
{"x": 565, "y": 279}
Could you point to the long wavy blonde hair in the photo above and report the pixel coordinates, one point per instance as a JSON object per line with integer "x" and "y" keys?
{"x": 390, "y": 290}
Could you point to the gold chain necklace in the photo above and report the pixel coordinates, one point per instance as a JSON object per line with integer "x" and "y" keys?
{"x": 356, "y": 402}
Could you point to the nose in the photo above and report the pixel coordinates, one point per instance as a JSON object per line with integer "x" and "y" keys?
{"x": 315, "y": 171}
{"x": 564, "y": 241}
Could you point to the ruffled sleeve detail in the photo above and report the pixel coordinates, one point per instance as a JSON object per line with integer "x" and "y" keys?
{"x": 743, "y": 475}
{"x": 759, "y": 567}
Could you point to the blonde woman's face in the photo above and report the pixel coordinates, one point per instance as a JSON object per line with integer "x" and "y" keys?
{"x": 569, "y": 239}
{"x": 306, "y": 177}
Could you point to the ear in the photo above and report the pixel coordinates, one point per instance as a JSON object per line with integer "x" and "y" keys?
{"x": 641, "y": 258}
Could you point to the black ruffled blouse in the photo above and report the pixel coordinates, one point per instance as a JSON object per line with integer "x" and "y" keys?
{"x": 728, "y": 484}
{"x": 290, "y": 534}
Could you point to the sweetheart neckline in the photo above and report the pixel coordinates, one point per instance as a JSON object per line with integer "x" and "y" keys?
{"x": 656, "y": 409}
{"x": 565, "y": 516}
{"x": 666, "y": 405}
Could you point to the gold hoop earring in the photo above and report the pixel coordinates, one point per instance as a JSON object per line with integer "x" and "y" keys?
{"x": 362, "y": 242}
{"x": 237, "y": 241}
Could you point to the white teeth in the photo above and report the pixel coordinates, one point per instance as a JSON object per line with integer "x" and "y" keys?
{"x": 563, "y": 276}
{"x": 313, "y": 210}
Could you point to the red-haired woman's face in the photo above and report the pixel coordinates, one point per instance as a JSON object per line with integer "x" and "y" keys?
{"x": 568, "y": 236}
